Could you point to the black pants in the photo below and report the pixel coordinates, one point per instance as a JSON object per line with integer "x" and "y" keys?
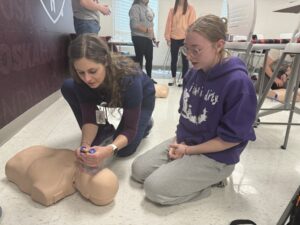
{"x": 143, "y": 47}
{"x": 175, "y": 45}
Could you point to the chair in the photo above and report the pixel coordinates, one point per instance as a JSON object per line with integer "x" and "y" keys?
{"x": 293, "y": 47}
{"x": 241, "y": 22}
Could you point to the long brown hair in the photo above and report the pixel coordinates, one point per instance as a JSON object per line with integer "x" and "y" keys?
{"x": 91, "y": 47}
{"x": 212, "y": 27}
{"x": 185, "y": 6}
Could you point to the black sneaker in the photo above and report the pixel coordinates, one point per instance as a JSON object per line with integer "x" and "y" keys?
{"x": 220, "y": 184}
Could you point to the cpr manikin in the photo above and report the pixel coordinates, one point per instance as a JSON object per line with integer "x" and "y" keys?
{"x": 48, "y": 175}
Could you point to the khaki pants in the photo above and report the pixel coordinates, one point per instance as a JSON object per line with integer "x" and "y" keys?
{"x": 170, "y": 182}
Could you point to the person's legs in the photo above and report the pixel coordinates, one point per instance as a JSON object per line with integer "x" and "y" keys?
{"x": 138, "y": 49}
{"x": 69, "y": 94}
{"x": 175, "y": 45}
{"x": 86, "y": 26}
{"x": 148, "y": 56}
{"x": 174, "y": 182}
{"x": 145, "y": 164}
{"x": 185, "y": 62}
{"x": 144, "y": 125}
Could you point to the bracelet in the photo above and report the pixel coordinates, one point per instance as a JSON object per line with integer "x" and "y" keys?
{"x": 114, "y": 148}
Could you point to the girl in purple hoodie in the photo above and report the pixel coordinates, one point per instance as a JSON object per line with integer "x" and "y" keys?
{"x": 217, "y": 111}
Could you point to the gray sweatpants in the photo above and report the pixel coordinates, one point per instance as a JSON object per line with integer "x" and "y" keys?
{"x": 170, "y": 182}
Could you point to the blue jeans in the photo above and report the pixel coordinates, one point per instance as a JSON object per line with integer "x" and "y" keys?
{"x": 86, "y": 26}
{"x": 72, "y": 92}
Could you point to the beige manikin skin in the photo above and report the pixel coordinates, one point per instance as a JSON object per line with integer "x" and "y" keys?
{"x": 161, "y": 91}
{"x": 49, "y": 175}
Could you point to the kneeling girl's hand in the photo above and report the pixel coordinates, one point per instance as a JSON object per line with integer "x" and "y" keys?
{"x": 177, "y": 150}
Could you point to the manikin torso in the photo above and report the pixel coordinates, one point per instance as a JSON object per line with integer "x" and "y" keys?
{"x": 49, "y": 175}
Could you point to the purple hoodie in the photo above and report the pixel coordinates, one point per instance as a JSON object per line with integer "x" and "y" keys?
{"x": 219, "y": 103}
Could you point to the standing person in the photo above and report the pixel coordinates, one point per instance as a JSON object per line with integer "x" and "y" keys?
{"x": 142, "y": 35}
{"x": 179, "y": 19}
{"x": 86, "y": 15}
{"x": 217, "y": 111}
{"x": 100, "y": 78}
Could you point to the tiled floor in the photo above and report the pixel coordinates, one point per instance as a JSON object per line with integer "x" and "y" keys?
{"x": 259, "y": 189}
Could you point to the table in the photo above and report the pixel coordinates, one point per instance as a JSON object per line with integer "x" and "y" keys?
{"x": 115, "y": 45}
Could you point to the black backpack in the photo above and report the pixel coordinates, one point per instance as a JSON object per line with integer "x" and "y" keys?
{"x": 238, "y": 222}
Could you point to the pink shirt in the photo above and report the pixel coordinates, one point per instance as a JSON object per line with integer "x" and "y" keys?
{"x": 177, "y": 24}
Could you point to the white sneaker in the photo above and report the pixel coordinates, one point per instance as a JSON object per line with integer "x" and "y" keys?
{"x": 179, "y": 84}
{"x": 172, "y": 81}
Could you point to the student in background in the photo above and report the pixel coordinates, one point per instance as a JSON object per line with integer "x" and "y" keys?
{"x": 217, "y": 112}
{"x": 179, "y": 19}
{"x": 273, "y": 58}
{"x": 141, "y": 25}
{"x": 86, "y": 15}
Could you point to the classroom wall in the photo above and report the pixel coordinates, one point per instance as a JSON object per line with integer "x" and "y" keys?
{"x": 272, "y": 24}
{"x": 33, "y": 45}
{"x": 268, "y": 23}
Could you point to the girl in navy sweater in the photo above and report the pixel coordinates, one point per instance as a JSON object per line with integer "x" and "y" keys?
{"x": 104, "y": 80}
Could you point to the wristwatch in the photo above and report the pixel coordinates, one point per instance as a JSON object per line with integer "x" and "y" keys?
{"x": 114, "y": 148}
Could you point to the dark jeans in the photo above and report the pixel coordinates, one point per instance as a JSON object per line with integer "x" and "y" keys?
{"x": 72, "y": 92}
{"x": 143, "y": 47}
{"x": 175, "y": 45}
{"x": 86, "y": 26}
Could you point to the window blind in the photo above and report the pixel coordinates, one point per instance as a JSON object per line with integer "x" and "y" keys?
{"x": 224, "y": 12}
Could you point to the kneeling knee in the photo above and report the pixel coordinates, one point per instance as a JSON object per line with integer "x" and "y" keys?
{"x": 156, "y": 192}
{"x": 137, "y": 171}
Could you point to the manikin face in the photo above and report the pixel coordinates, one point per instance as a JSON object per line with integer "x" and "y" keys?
{"x": 90, "y": 72}
{"x": 202, "y": 53}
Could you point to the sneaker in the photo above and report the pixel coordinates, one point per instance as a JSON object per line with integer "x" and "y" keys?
{"x": 221, "y": 184}
{"x": 179, "y": 82}
{"x": 154, "y": 82}
{"x": 172, "y": 81}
